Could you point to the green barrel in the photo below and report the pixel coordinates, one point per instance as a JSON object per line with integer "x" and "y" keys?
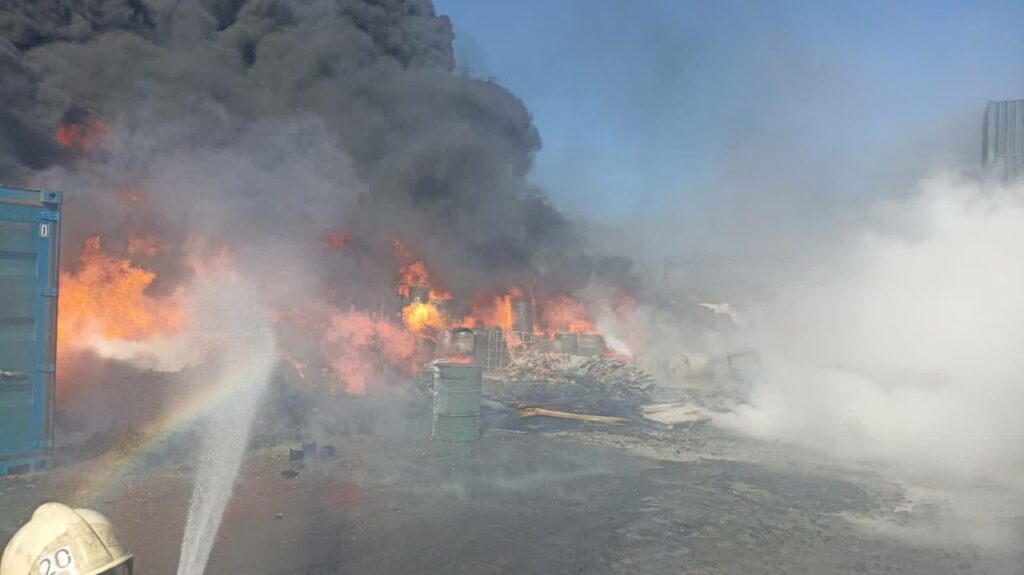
{"x": 457, "y": 388}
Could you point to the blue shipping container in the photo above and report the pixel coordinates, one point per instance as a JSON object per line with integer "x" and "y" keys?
{"x": 29, "y": 260}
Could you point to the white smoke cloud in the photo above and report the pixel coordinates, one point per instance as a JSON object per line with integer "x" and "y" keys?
{"x": 159, "y": 353}
{"x": 905, "y": 349}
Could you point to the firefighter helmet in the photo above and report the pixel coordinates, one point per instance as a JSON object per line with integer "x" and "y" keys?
{"x": 59, "y": 540}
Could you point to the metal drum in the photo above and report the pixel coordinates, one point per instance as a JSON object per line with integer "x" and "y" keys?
{"x": 565, "y": 342}
{"x": 544, "y": 345}
{"x": 480, "y": 337}
{"x": 444, "y": 344}
{"x": 463, "y": 342}
{"x": 424, "y": 348}
{"x": 444, "y": 307}
{"x": 457, "y": 389}
{"x": 419, "y": 294}
{"x": 522, "y": 316}
{"x": 590, "y": 344}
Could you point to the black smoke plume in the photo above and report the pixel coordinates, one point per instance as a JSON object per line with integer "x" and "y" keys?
{"x": 277, "y": 122}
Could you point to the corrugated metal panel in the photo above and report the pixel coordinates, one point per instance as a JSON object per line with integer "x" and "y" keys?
{"x": 29, "y": 259}
{"x": 1002, "y": 146}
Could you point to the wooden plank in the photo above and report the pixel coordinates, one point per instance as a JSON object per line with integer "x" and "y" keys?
{"x": 606, "y": 419}
{"x": 670, "y": 415}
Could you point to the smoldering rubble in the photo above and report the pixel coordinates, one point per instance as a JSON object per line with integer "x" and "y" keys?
{"x": 589, "y": 383}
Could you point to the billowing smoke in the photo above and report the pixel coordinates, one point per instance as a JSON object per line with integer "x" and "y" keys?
{"x": 902, "y": 348}
{"x": 288, "y": 142}
{"x": 272, "y": 122}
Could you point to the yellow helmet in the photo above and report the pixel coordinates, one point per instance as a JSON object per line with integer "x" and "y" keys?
{"x": 59, "y": 540}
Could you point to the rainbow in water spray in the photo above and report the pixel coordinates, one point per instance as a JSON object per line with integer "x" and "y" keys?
{"x": 113, "y": 470}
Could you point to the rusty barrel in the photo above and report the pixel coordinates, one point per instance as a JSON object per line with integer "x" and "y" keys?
{"x": 457, "y": 389}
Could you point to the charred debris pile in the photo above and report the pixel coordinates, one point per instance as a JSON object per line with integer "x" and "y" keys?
{"x": 594, "y": 383}
{"x": 534, "y": 356}
{"x": 570, "y": 375}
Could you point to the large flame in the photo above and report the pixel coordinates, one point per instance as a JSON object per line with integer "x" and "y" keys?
{"x": 421, "y": 318}
{"x": 412, "y": 274}
{"x": 359, "y": 348}
{"x": 106, "y": 307}
{"x": 494, "y": 311}
{"x": 565, "y": 314}
{"x": 106, "y": 298}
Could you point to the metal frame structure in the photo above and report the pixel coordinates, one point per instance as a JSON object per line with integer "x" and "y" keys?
{"x": 498, "y": 353}
{"x": 1002, "y": 139}
{"x": 29, "y": 272}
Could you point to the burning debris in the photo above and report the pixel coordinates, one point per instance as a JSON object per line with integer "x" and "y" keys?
{"x": 327, "y": 130}
{"x": 326, "y": 152}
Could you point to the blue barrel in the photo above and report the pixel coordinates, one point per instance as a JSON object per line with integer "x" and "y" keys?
{"x": 29, "y": 258}
{"x": 457, "y": 390}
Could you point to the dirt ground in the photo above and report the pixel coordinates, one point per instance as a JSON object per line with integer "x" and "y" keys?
{"x": 560, "y": 499}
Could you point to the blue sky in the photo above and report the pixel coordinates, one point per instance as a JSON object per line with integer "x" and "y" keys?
{"x": 695, "y": 106}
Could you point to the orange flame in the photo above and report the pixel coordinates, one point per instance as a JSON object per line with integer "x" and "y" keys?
{"x": 107, "y": 297}
{"x": 360, "y": 348}
{"x": 85, "y": 136}
{"x": 496, "y": 312}
{"x": 423, "y": 317}
{"x": 413, "y": 274}
{"x": 566, "y": 314}
{"x": 438, "y": 295}
{"x": 420, "y": 317}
